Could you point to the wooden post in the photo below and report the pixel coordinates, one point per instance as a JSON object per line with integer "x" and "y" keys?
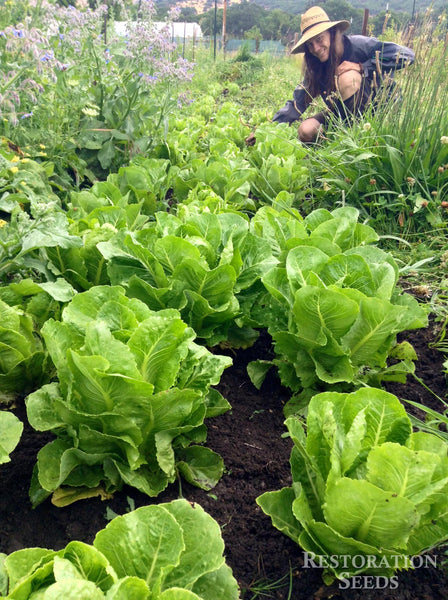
{"x": 296, "y": 39}
{"x": 365, "y": 21}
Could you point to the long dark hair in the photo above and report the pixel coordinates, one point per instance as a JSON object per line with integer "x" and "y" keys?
{"x": 317, "y": 73}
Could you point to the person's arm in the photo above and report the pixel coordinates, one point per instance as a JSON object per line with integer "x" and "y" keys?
{"x": 373, "y": 54}
{"x": 293, "y": 109}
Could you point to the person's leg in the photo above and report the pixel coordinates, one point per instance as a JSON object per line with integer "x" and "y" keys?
{"x": 355, "y": 95}
{"x": 348, "y": 84}
{"x": 310, "y": 128}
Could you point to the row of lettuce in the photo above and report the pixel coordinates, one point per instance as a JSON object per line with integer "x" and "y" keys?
{"x": 110, "y": 304}
{"x": 170, "y": 551}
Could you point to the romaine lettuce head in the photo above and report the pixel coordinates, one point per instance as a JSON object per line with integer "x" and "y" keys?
{"x": 133, "y": 392}
{"x": 368, "y": 494}
{"x": 22, "y": 353}
{"x": 334, "y": 310}
{"x": 171, "y": 551}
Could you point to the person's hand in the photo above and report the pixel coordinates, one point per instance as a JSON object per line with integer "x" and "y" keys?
{"x": 251, "y": 139}
{"x": 348, "y": 66}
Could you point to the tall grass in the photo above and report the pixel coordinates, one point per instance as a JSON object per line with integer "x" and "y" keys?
{"x": 392, "y": 163}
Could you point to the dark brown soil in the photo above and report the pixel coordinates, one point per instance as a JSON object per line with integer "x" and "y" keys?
{"x": 249, "y": 438}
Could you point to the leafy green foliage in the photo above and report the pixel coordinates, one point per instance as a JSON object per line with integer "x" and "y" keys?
{"x": 363, "y": 485}
{"x": 170, "y": 551}
{"x": 10, "y": 432}
{"x": 23, "y": 359}
{"x": 23, "y": 180}
{"x": 280, "y": 164}
{"x": 26, "y": 233}
{"x": 208, "y": 266}
{"x": 226, "y": 176}
{"x": 334, "y": 309}
{"x": 133, "y": 393}
{"x": 40, "y": 301}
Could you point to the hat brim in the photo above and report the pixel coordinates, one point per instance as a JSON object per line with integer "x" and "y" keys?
{"x": 316, "y": 30}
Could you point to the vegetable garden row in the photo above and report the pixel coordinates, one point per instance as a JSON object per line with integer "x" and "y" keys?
{"x": 125, "y": 273}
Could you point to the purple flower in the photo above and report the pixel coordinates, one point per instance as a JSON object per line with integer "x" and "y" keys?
{"x": 49, "y": 55}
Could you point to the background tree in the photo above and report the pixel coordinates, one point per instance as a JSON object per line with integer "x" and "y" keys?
{"x": 254, "y": 34}
{"x": 341, "y": 9}
{"x": 207, "y": 21}
{"x": 242, "y": 17}
{"x": 279, "y": 25}
{"x": 188, "y": 14}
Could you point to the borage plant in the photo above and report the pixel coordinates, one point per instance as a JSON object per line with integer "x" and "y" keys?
{"x": 129, "y": 407}
{"x": 110, "y": 95}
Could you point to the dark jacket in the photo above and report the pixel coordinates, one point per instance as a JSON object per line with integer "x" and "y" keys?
{"x": 357, "y": 49}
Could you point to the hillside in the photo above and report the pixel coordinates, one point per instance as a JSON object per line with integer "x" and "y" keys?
{"x": 299, "y": 6}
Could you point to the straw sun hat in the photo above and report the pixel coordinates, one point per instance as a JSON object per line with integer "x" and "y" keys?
{"x": 314, "y": 21}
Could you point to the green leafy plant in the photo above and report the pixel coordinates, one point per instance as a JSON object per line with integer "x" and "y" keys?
{"x": 23, "y": 180}
{"x": 40, "y": 301}
{"x": 170, "y": 551}
{"x": 23, "y": 358}
{"x": 203, "y": 264}
{"x": 363, "y": 485}
{"x": 227, "y": 177}
{"x": 11, "y": 429}
{"x": 26, "y": 233}
{"x": 279, "y": 164}
{"x": 129, "y": 407}
{"x": 334, "y": 310}
{"x": 123, "y": 202}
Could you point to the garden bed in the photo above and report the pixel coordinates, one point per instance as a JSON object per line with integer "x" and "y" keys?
{"x": 249, "y": 438}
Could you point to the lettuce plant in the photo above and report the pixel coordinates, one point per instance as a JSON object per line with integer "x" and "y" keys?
{"x": 279, "y": 164}
{"x": 11, "y": 429}
{"x": 171, "y": 551}
{"x": 334, "y": 309}
{"x": 229, "y": 177}
{"x": 367, "y": 492}
{"x": 203, "y": 264}
{"x": 22, "y": 353}
{"x": 123, "y": 202}
{"x": 133, "y": 393}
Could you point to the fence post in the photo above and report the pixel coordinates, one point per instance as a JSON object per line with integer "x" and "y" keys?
{"x": 296, "y": 39}
{"x": 365, "y": 21}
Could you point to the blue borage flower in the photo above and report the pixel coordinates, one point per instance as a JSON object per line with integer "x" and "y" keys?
{"x": 49, "y": 55}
